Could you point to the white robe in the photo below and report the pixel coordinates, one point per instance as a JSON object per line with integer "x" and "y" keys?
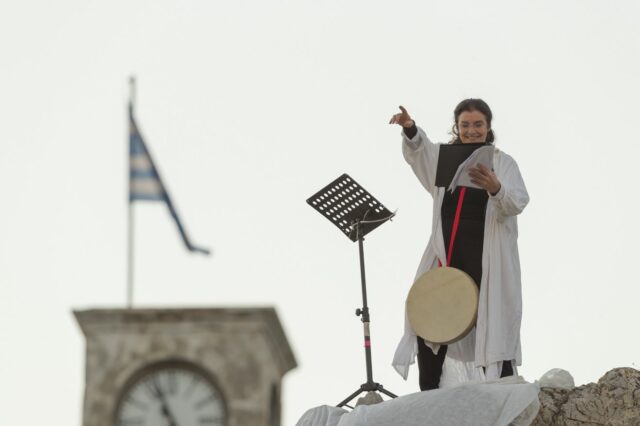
{"x": 496, "y": 336}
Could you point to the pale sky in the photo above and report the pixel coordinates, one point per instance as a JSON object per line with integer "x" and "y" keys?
{"x": 249, "y": 107}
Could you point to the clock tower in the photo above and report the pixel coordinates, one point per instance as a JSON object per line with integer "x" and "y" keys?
{"x": 184, "y": 367}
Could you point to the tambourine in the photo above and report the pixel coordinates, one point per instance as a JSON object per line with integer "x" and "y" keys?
{"x": 442, "y": 305}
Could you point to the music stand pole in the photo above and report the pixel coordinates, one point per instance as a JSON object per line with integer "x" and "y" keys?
{"x": 370, "y": 385}
{"x": 365, "y": 312}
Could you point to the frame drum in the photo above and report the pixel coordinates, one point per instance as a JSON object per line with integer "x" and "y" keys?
{"x": 442, "y": 305}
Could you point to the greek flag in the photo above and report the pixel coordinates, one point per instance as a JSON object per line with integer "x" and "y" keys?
{"x": 145, "y": 182}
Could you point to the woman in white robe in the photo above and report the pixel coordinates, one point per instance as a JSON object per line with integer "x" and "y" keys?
{"x": 496, "y": 337}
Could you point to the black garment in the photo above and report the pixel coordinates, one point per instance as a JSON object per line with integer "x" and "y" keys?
{"x": 467, "y": 249}
{"x": 430, "y": 365}
{"x": 467, "y": 256}
{"x": 411, "y": 131}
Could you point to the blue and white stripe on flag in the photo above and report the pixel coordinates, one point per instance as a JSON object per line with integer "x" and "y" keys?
{"x": 145, "y": 182}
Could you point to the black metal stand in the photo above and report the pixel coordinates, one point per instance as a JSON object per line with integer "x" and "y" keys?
{"x": 356, "y": 212}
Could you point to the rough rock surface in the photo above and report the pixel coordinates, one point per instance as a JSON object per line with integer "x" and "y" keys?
{"x": 613, "y": 401}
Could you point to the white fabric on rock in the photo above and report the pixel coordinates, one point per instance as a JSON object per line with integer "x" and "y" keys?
{"x": 557, "y": 378}
{"x": 496, "y": 336}
{"x": 507, "y": 401}
{"x": 324, "y": 415}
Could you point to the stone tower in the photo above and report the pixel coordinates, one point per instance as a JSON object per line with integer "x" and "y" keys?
{"x": 221, "y": 366}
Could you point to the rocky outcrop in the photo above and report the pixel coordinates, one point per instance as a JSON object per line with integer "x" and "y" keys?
{"x": 613, "y": 401}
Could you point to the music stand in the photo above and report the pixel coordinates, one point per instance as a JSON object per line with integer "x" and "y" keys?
{"x": 356, "y": 213}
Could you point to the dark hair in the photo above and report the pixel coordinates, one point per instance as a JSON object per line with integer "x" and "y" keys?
{"x": 469, "y": 105}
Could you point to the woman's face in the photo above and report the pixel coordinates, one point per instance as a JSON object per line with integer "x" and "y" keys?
{"x": 472, "y": 127}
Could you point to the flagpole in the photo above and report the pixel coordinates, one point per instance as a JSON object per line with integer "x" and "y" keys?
{"x": 132, "y": 95}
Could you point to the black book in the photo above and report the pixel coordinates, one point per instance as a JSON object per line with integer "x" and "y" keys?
{"x": 449, "y": 159}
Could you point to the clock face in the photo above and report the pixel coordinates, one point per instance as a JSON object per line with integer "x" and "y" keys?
{"x": 171, "y": 394}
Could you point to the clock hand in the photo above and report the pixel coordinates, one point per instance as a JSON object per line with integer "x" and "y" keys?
{"x": 165, "y": 406}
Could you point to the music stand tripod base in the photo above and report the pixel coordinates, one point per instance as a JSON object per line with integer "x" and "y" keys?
{"x": 356, "y": 213}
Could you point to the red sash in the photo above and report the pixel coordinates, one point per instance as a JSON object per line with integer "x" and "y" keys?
{"x": 454, "y": 229}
